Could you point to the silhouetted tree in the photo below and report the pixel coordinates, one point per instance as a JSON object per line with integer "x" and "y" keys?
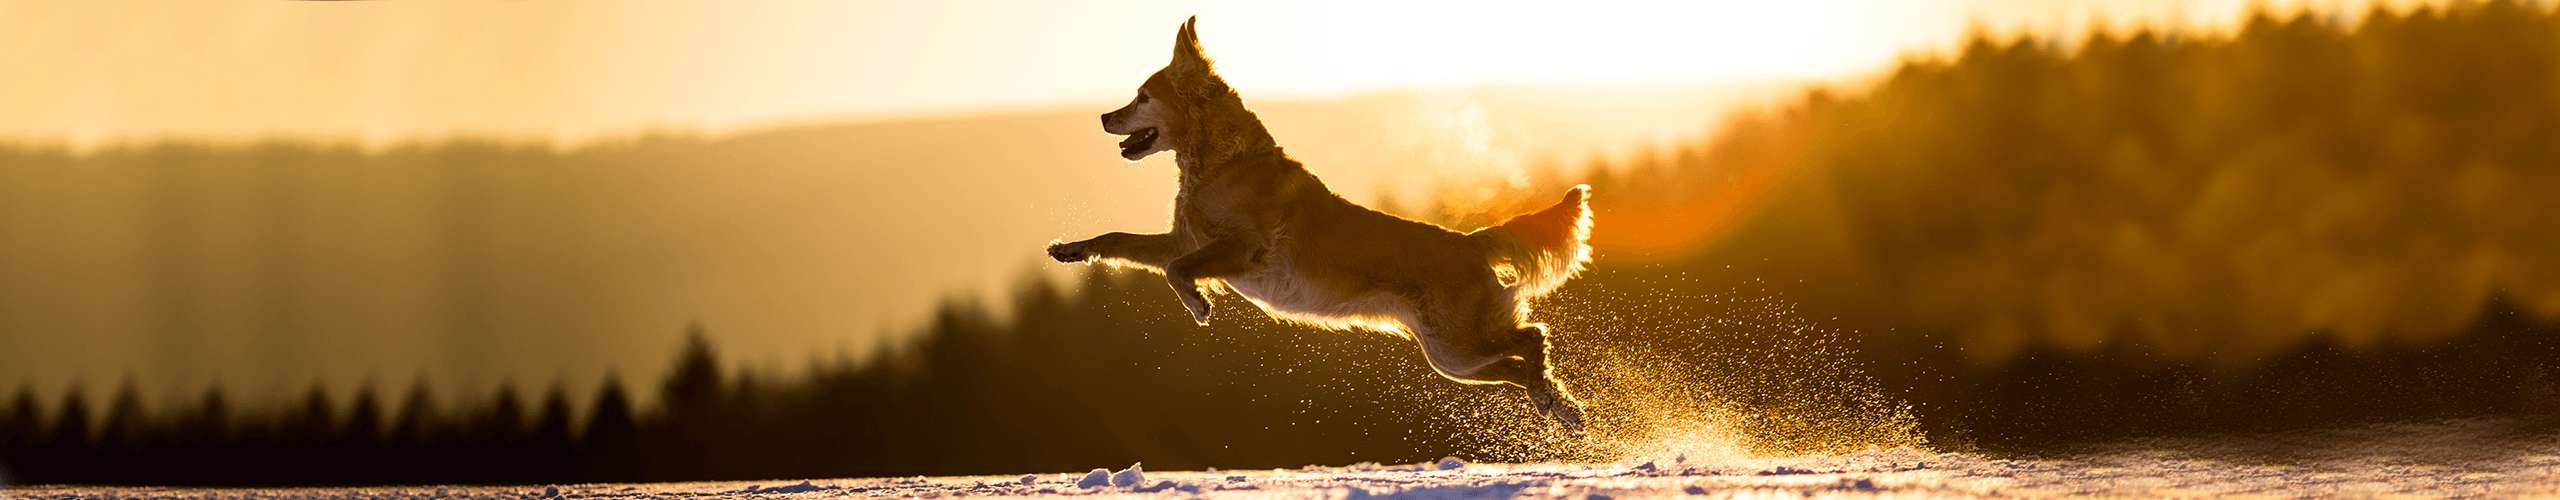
{"x": 23, "y": 424}
{"x": 502, "y": 420}
{"x": 125, "y": 420}
{"x": 71, "y": 424}
{"x": 552, "y": 427}
{"x": 314, "y": 420}
{"x": 210, "y": 422}
{"x": 364, "y": 419}
{"x": 695, "y": 385}
{"x": 613, "y": 432}
{"x": 415, "y": 427}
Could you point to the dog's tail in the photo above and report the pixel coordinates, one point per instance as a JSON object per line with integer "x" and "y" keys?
{"x": 1533, "y": 254}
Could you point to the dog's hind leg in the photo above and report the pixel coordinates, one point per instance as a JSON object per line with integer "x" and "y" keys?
{"x": 1219, "y": 259}
{"x": 1150, "y": 251}
{"x": 1491, "y": 348}
{"x": 1547, "y": 393}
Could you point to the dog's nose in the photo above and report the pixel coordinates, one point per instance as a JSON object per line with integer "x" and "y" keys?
{"x": 1106, "y": 120}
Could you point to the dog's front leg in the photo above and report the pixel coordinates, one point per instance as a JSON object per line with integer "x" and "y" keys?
{"x": 1219, "y": 259}
{"x": 1150, "y": 251}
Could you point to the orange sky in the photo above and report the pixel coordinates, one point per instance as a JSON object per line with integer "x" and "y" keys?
{"x": 103, "y": 71}
{"x": 99, "y": 72}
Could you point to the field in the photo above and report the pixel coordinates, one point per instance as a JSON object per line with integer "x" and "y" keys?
{"x": 2497, "y": 458}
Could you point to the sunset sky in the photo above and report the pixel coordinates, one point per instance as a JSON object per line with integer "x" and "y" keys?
{"x": 101, "y": 72}
{"x": 771, "y": 234}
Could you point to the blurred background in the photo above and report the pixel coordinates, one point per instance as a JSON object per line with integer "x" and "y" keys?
{"x": 398, "y": 241}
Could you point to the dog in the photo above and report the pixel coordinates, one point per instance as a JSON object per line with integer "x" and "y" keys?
{"x": 1255, "y": 222}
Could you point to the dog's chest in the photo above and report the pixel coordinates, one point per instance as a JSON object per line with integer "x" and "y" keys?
{"x": 1279, "y": 285}
{"x": 1240, "y": 205}
{"x": 1201, "y": 214}
{"x": 1282, "y": 281}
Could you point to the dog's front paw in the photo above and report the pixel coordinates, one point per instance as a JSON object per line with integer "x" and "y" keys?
{"x": 1069, "y": 252}
{"x": 1199, "y": 307}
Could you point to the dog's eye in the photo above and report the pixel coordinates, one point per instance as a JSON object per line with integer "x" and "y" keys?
{"x": 1142, "y": 98}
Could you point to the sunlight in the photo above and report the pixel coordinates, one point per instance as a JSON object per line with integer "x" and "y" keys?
{"x": 573, "y": 72}
{"x": 1425, "y": 44}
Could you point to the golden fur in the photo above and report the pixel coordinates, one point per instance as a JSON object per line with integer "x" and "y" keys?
{"x": 1250, "y": 219}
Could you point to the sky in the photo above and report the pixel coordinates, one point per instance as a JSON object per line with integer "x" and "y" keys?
{"x": 103, "y": 72}
{"x": 778, "y": 209}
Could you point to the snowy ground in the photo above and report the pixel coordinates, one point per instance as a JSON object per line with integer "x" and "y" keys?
{"x": 2493, "y": 458}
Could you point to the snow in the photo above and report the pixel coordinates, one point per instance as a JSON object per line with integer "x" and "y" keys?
{"x": 803, "y": 487}
{"x": 1783, "y": 470}
{"x": 2474, "y": 458}
{"x": 1096, "y": 479}
{"x": 1132, "y": 476}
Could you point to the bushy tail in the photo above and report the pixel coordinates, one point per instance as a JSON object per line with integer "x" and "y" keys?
{"x": 1535, "y": 253}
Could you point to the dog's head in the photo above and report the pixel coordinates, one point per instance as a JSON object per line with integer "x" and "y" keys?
{"x": 1167, "y": 101}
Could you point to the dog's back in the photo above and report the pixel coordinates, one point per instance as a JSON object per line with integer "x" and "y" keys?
{"x": 1336, "y": 264}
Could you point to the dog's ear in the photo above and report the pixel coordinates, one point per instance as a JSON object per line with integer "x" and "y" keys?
{"x": 1186, "y": 45}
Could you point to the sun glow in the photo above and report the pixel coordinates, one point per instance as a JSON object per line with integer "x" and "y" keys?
{"x": 378, "y": 72}
{"x": 1408, "y": 44}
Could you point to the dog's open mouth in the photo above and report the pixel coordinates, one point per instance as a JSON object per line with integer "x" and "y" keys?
{"x": 1139, "y": 143}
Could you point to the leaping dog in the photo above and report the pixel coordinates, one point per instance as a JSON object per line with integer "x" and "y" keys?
{"x": 1253, "y": 220}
